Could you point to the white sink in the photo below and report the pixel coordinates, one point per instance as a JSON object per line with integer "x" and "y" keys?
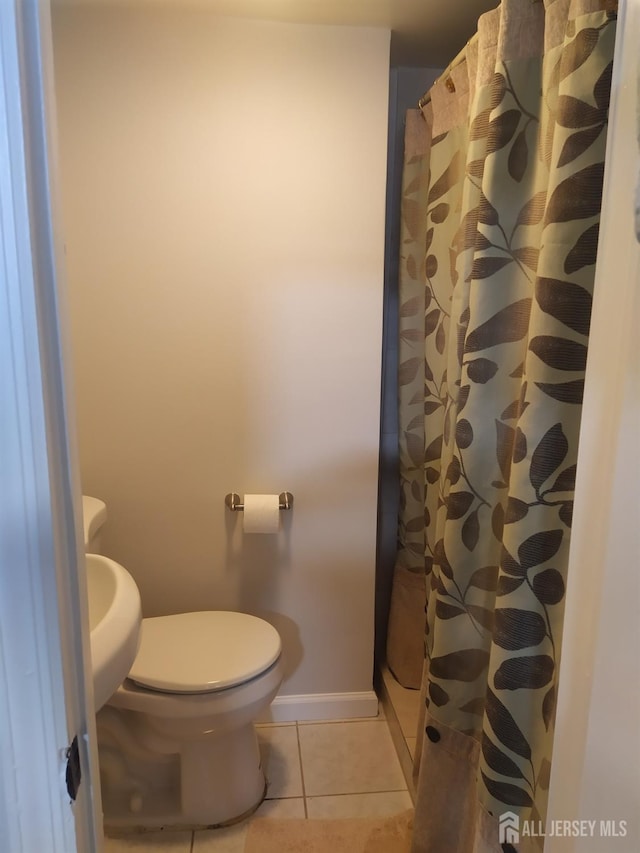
{"x": 115, "y": 618}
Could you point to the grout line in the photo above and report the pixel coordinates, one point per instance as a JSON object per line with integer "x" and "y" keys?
{"x": 304, "y": 792}
{"x": 193, "y": 841}
{"x": 376, "y": 719}
{"x": 362, "y": 793}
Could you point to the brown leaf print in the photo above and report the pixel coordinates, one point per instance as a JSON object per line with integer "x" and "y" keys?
{"x": 516, "y": 510}
{"x": 437, "y": 695}
{"x": 505, "y": 727}
{"x": 412, "y": 217}
{"x": 548, "y": 586}
{"x": 583, "y": 254}
{"x": 479, "y": 128}
{"x": 549, "y": 707}
{"x": 487, "y": 214}
{"x": 502, "y": 130}
{"x": 512, "y": 795}
{"x": 567, "y": 302}
{"x": 439, "y": 213}
{"x": 410, "y": 307}
{"x": 528, "y": 255}
{"x": 519, "y": 446}
{"x": 560, "y": 353}
{"x": 602, "y": 88}
{"x": 549, "y": 454}
{"x": 575, "y": 113}
{"x": 447, "y": 179}
{"x": 577, "y": 53}
{"x": 462, "y": 665}
{"x": 508, "y": 325}
{"x": 415, "y": 448}
{"x": 484, "y": 578}
{"x": 519, "y": 157}
{"x": 510, "y": 565}
{"x": 445, "y": 610}
{"x": 458, "y": 504}
{"x": 408, "y": 370}
{"x": 481, "y": 370}
{"x": 566, "y": 513}
{"x": 539, "y": 547}
{"x": 431, "y": 321}
{"x": 476, "y": 169}
{"x": 518, "y": 629}
{"x": 578, "y": 143}
{"x": 464, "y": 434}
{"x": 505, "y": 437}
{"x": 485, "y": 267}
{"x": 470, "y": 533}
{"x": 433, "y": 450}
{"x": 481, "y": 615}
{"x": 430, "y": 266}
{"x": 474, "y": 706}
{"x": 566, "y": 392}
{"x": 578, "y": 196}
{"x": 508, "y": 584}
{"x": 533, "y": 210}
{"x": 566, "y": 481}
{"x": 497, "y": 521}
{"x": 524, "y": 673}
{"x": 453, "y": 471}
{"x": 498, "y": 761}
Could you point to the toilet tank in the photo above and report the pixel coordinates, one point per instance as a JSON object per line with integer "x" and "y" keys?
{"x": 94, "y": 514}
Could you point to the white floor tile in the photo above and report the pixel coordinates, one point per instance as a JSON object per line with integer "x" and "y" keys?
{"x": 150, "y": 842}
{"x": 280, "y": 761}
{"x": 411, "y": 745}
{"x": 228, "y": 840}
{"x": 359, "y": 805}
{"x": 232, "y": 839}
{"x": 349, "y": 758}
{"x": 291, "y": 807}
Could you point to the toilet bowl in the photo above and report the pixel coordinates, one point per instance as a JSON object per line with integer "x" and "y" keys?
{"x": 176, "y": 741}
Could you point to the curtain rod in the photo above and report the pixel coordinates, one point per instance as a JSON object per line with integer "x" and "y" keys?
{"x": 458, "y": 59}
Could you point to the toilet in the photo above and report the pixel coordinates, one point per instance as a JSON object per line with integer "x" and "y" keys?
{"x": 176, "y": 742}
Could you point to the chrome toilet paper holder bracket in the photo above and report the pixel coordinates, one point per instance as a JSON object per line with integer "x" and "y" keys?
{"x": 233, "y": 502}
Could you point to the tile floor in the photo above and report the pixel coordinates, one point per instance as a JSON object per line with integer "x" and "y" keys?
{"x": 315, "y": 770}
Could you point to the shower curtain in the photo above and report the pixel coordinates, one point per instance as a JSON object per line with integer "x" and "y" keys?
{"x": 501, "y": 200}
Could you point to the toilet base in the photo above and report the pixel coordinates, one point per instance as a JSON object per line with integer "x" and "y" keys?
{"x": 222, "y": 777}
{"x": 214, "y": 780}
{"x": 117, "y": 828}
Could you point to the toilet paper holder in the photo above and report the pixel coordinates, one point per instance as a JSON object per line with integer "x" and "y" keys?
{"x": 233, "y": 502}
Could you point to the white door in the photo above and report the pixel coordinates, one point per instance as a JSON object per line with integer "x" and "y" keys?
{"x": 46, "y": 695}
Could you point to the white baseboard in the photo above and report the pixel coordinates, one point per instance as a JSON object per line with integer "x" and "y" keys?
{"x": 321, "y": 706}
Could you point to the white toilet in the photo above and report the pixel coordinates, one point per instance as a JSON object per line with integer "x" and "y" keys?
{"x": 176, "y": 741}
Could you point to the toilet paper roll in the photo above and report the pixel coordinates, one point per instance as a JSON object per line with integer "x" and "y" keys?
{"x": 261, "y": 514}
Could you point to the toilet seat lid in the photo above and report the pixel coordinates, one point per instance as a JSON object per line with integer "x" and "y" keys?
{"x": 202, "y": 652}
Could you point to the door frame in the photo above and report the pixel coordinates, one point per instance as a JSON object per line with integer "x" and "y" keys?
{"x": 46, "y": 697}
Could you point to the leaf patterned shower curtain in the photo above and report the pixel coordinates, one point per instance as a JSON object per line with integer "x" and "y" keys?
{"x": 501, "y": 203}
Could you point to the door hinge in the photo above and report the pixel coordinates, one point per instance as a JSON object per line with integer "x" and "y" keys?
{"x": 73, "y": 774}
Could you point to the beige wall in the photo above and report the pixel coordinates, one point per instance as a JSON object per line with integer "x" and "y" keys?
{"x": 223, "y": 193}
